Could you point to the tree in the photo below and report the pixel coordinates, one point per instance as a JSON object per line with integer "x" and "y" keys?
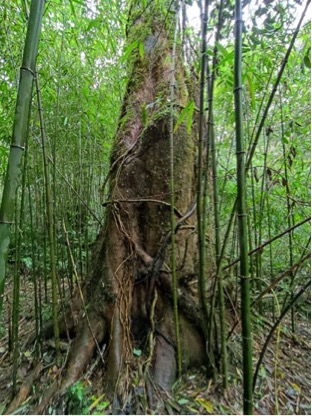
{"x": 129, "y": 297}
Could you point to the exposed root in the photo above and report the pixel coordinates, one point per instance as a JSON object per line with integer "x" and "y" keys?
{"x": 82, "y": 350}
{"x": 67, "y": 321}
{"x": 164, "y": 369}
{"x": 50, "y": 393}
{"x": 80, "y": 355}
{"x": 25, "y": 389}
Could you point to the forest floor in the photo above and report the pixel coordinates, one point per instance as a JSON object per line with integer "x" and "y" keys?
{"x": 283, "y": 386}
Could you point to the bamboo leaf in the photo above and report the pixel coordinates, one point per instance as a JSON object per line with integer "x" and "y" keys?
{"x": 129, "y": 49}
{"x": 141, "y": 49}
{"x": 186, "y": 115}
{"x": 206, "y": 404}
{"x": 72, "y": 8}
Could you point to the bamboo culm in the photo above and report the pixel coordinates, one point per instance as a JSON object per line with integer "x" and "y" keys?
{"x": 172, "y": 205}
{"x": 278, "y": 321}
{"x": 212, "y": 147}
{"x": 20, "y": 127}
{"x": 200, "y": 188}
{"x": 16, "y": 281}
{"x": 50, "y": 219}
{"x": 241, "y": 216}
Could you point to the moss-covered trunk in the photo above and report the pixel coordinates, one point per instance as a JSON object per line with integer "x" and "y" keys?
{"x": 133, "y": 254}
{"x": 129, "y": 294}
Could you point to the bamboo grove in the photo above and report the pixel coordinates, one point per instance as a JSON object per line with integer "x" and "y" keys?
{"x": 65, "y": 70}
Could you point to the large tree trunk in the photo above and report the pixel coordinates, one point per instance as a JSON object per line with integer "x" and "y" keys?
{"x": 133, "y": 257}
{"x": 130, "y": 290}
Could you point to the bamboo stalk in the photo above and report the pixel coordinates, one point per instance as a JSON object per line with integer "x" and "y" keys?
{"x": 269, "y": 220}
{"x": 262, "y": 121}
{"x": 20, "y": 126}
{"x": 200, "y": 188}
{"x": 172, "y": 204}
{"x": 34, "y": 275}
{"x": 275, "y": 280}
{"x": 271, "y": 240}
{"x": 51, "y": 228}
{"x": 212, "y": 146}
{"x": 275, "y": 86}
{"x": 290, "y": 216}
{"x": 241, "y": 215}
{"x": 16, "y": 280}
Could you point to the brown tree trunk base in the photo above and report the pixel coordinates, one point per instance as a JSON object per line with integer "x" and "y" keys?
{"x": 156, "y": 369}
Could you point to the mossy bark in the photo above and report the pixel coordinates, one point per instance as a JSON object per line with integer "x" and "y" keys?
{"x": 138, "y": 220}
{"x": 130, "y": 289}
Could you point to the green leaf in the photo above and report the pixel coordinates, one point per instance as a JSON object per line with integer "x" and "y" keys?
{"x": 141, "y": 49}
{"x": 206, "y": 404}
{"x": 183, "y": 401}
{"x": 72, "y": 7}
{"x": 186, "y": 115}
{"x": 144, "y": 114}
{"x": 129, "y": 49}
{"x": 27, "y": 261}
{"x": 251, "y": 90}
{"x": 94, "y": 23}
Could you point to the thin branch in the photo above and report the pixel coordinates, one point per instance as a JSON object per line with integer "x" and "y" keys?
{"x": 265, "y": 243}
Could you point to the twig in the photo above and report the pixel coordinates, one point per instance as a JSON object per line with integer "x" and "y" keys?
{"x": 265, "y": 243}
{"x": 155, "y": 201}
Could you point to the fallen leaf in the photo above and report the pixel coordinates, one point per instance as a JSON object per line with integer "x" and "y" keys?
{"x": 206, "y": 404}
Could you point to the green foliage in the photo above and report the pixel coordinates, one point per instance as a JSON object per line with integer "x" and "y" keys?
{"x": 77, "y": 399}
{"x": 80, "y": 402}
{"x": 186, "y": 116}
{"x": 47, "y": 313}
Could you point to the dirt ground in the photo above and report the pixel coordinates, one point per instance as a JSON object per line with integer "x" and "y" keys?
{"x": 283, "y": 385}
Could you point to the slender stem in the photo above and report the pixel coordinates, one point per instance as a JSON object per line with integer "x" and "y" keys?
{"x": 274, "y": 89}
{"x": 269, "y": 219}
{"x": 34, "y": 273}
{"x": 290, "y": 271}
{"x": 290, "y": 216}
{"x": 241, "y": 214}
{"x": 172, "y": 204}
{"x": 200, "y": 187}
{"x": 50, "y": 218}
{"x": 20, "y": 128}
{"x": 212, "y": 146}
{"x": 265, "y": 243}
{"x": 16, "y": 281}
{"x": 275, "y": 280}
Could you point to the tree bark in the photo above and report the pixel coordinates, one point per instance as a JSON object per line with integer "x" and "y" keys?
{"x": 130, "y": 289}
